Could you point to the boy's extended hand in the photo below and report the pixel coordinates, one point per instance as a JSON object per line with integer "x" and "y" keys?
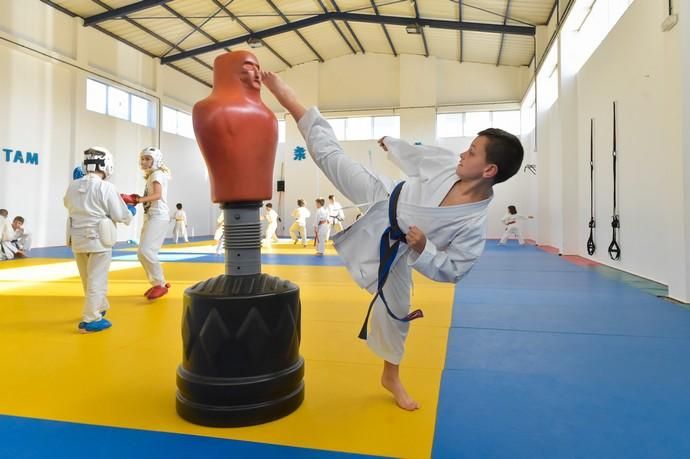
{"x": 416, "y": 239}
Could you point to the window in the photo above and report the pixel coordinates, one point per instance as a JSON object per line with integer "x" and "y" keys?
{"x": 588, "y": 23}
{"x": 140, "y": 110}
{"x": 359, "y": 128}
{"x": 470, "y": 123}
{"x": 527, "y": 111}
{"x": 475, "y": 122}
{"x": 449, "y": 125}
{"x": 96, "y": 96}
{"x": 508, "y": 120}
{"x": 177, "y": 122}
{"x": 112, "y": 101}
{"x": 281, "y": 131}
{"x": 365, "y": 127}
{"x": 547, "y": 79}
{"x": 386, "y": 126}
{"x": 338, "y": 126}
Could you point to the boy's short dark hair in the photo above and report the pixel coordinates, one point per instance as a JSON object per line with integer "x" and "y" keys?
{"x": 269, "y": 205}
{"x": 19, "y": 219}
{"x": 321, "y": 201}
{"x": 330, "y": 196}
{"x": 3, "y": 212}
{"x": 505, "y": 151}
{"x": 178, "y": 205}
{"x": 300, "y": 202}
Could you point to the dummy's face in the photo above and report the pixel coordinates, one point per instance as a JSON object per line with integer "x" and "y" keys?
{"x": 250, "y": 74}
{"x": 473, "y": 164}
{"x": 146, "y": 162}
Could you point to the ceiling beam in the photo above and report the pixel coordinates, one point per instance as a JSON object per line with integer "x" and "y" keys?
{"x": 460, "y": 43}
{"x": 340, "y": 32}
{"x": 347, "y": 24}
{"x": 416, "y": 15}
{"x": 287, "y": 21}
{"x": 385, "y": 31}
{"x": 354, "y": 17}
{"x": 505, "y": 21}
{"x": 122, "y": 11}
{"x": 249, "y": 31}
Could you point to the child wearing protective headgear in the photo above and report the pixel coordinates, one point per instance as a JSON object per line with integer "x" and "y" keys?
{"x": 156, "y": 218}
{"x": 94, "y": 207}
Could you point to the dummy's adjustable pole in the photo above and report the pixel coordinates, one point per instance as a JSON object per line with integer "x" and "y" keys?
{"x": 242, "y": 236}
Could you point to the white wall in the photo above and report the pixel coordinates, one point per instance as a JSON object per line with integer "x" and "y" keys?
{"x": 640, "y": 67}
{"x": 58, "y": 56}
{"x": 45, "y": 58}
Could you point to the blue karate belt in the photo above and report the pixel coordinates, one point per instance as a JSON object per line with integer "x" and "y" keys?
{"x": 388, "y": 249}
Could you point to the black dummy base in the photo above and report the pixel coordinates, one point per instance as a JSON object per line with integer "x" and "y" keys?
{"x": 241, "y": 364}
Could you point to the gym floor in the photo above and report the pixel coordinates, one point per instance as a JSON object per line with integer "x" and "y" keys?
{"x": 532, "y": 355}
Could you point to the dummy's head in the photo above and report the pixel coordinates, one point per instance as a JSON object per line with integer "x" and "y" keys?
{"x": 512, "y": 210}
{"x": 179, "y": 206}
{"x": 98, "y": 159}
{"x": 3, "y": 213}
{"x": 150, "y": 158}
{"x": 237, "y": 67}
{"x": 17, "y": 223}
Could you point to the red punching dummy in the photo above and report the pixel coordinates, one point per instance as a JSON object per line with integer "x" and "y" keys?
{"x": 236, "y": 132}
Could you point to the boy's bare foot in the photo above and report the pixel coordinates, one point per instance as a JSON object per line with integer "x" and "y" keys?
{"x": 390, "y": 380}
{"x": 284, "y": 93}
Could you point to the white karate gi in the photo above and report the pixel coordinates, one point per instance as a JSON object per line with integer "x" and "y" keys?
{"x": 156, "y": 218}
{"x": 455, "y": 234}
{"x": 89, "y": 200}
{"x": 271, "y": 217}
{"x": 180, "y": 228}
{"x": 7, "y": 249}
{"x": 336, "y": 216}
{"x": 22, "y": 238}
{"x": 513, "y": 227}
{"x": 321, "y": 229}
{"x": 300, "y": 225}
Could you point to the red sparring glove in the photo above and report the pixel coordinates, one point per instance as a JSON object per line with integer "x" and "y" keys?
{"x": 130, "y": 199}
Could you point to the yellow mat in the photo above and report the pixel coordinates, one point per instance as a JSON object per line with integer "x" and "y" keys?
{"x": 125, "y": 376}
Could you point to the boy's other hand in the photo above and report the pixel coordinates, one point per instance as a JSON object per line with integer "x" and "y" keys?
{"x": 381, "y": 144}
{"x": 416, "y": 239}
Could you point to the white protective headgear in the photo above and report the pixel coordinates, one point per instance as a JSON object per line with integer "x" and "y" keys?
{"x": 156, "y": 154}
{"x": 98, "y": 159}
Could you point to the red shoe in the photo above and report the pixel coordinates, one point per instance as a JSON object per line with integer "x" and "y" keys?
{"x": 158, "y": 291}
{"x": 147, "y": 292}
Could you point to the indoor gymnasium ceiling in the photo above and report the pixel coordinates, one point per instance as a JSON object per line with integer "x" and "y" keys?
{"x": 188, "y": 34}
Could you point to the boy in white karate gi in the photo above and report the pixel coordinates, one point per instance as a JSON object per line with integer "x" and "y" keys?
{"x": 512, "y": 221}
{"x": 271, "y": 217}
{"x": 441, "y": 210}
{"x": 180, "y": 228}
{"x": 299, "y": 227}
{"x": 94, "y": 207}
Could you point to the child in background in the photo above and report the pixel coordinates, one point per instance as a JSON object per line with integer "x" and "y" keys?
{"x": 321, "y": 226}
{"x": 299, "y": 227}
{"x": 512, "y": 221}
{"x": 180, "y": 228}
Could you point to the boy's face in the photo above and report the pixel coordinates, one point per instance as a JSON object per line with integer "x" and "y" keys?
{"x": 17, "y": 225}
{"x": 473, "y": 164}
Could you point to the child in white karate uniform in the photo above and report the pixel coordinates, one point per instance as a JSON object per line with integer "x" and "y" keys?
{"x": 94, "y": 206}
{"x": 156, "y": 218}
{"x": 321, "y": 226}
{"x": 180, "y": 228}
{"x": 271, "y": 217}
{"x": 513, "y": 220}
{"x": 441, "y": 212}
{"x": 299, "y": 227}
